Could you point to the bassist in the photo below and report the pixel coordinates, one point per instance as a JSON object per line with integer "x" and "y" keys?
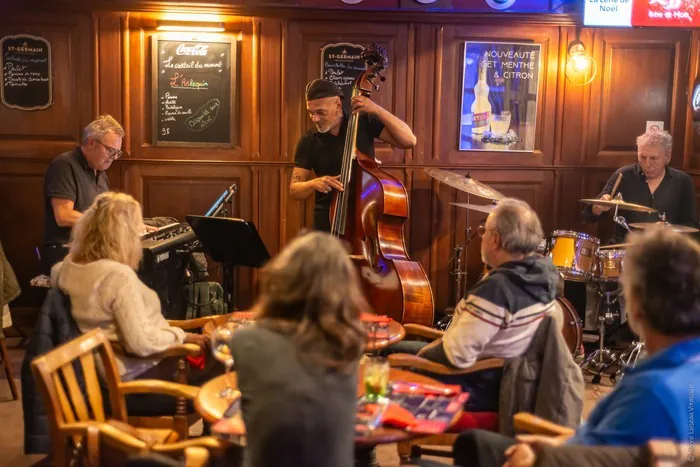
{"x": 320, "y": 150}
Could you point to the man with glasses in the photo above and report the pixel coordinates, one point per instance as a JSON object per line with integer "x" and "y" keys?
{"x": 72, "y": 182}
{"x": 650, "y": 182}
{"x": 501, "y": 313}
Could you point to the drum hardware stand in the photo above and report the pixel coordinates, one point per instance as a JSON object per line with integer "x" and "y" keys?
{"x": 603, "y": 358}
{"x": 628, "y": 358}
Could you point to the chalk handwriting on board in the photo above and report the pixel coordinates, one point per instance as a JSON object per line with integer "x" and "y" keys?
{"x": 204, "y": 116}
{"x": 26, "y": 72}
{"x": 193, "y": 92}
{"x": 341, "y": 64}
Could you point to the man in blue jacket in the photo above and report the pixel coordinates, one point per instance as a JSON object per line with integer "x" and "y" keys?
{"x": 656, "y": 399}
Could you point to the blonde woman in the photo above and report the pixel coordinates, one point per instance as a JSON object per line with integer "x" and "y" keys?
{"x": 99, "y": 276}
{"x": 297, "y": 367}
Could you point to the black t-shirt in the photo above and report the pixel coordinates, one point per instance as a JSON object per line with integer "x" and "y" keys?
{"x": 69, "y": 177}
{"x": 323, "y": 153}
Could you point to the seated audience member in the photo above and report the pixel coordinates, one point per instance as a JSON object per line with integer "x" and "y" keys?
{"x": 501, "y": 313}
{"x": 661, "y": 281}
{"x": 297, "y": 366}
{"x": 99, "y": 276}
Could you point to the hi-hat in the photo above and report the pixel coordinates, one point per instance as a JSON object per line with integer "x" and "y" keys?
{"x": 464, "y": 183}
{"x": 674, "y": 227}
{"x": 476, "y": 207}
{"x": 611, "y": 203}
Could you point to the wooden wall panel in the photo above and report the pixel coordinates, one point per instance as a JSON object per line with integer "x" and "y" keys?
{"x": 448, "y": 95}
{"x": 640, "y": 80}
{"x": 102, "y": 64}
{"x": 57, "y": 127}
{"x": 306, "y": 38}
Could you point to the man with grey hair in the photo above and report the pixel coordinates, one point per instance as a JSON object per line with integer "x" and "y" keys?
{"x": 501, "y": 313}
{"x": 650, "y": 182}
{"x": 73, "y": 180}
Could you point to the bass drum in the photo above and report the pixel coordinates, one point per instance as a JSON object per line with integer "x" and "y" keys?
{"x": 564, "y": 313}
{"x": 571, "y": 326}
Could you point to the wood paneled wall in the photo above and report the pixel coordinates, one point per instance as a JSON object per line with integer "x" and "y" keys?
{"x": 102, "y": 65}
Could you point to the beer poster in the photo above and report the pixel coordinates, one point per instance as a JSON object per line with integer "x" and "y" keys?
{"x": 500, "y": 85}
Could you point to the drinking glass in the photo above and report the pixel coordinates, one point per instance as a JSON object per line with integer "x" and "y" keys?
{"x": 500, "y": 123}
{"x": 221, "y": 349}
{"x": 376, "y": 378}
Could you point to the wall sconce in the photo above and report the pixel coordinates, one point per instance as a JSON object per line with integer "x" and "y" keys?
{"x": 189, "y": 26}
{"x": 580, "y": 67}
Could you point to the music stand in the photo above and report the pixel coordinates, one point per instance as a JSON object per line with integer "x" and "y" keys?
{"x": 231, "y": 242}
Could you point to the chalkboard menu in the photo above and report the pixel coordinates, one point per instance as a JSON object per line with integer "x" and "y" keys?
{"x": 342, "y": 63}
{"x": 194, "y": 93}
{"x": 26, "y": 72}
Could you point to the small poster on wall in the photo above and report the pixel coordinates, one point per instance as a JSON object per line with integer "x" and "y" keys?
{"x": 500, "y": 85}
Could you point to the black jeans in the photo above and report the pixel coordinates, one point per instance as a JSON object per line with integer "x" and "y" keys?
{"x": 480, "y": 448}
{"x": 151, "y": 405}
{"x": 50, "y": 255}
{"x": 483, "y": 386}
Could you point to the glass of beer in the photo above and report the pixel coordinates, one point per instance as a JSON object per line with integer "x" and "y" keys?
{"x": 221, "y": 342}
{"x": 376, "y": 378}
{"x": 500, "y": 123}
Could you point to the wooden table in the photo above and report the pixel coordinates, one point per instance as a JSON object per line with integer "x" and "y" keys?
{"x": 392, "y": 334}
{"x": 211, "y": 407}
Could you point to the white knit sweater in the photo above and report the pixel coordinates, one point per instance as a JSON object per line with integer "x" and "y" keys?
{"x": 109, "y": 295}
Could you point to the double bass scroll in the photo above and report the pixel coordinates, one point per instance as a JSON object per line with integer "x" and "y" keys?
{"x": 370, "y": 215}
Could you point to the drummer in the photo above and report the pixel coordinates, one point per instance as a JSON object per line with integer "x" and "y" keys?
{"x": 650, "y": 182}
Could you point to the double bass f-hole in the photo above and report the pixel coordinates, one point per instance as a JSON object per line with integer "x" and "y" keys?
{"x": 370, "y": 250}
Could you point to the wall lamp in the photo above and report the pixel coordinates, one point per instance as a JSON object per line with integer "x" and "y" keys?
{"x": 581, "y": 68}
{"x": 188, "y": 26}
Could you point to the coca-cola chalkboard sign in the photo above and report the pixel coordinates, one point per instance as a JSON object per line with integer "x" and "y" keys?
{"x": 26, "y": 72}
{"x": 342, "y": 63}
{"x": 194, "y": 92}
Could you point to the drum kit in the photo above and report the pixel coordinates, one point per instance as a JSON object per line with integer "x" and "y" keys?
{"x": 579, "y": 258}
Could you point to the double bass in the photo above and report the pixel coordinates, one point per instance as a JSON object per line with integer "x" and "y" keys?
{"x": 369, "y": 214}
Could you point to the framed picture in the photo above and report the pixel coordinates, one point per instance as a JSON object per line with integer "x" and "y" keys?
{"x": 500, "y": 86}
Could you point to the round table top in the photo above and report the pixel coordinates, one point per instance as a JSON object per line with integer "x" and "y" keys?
{"x": 394, "y": 332}
{"x": 211, "y": 407}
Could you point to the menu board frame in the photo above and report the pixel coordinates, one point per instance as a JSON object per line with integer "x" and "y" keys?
{"x": 49, "y": 100}
{"x": 233, "y": 51}
{"x": 347, "y": 90}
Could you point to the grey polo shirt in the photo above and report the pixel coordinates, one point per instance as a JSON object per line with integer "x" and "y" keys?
{"x": 70, "y": 177}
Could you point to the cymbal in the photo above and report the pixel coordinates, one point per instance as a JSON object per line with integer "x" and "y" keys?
{"x": 619, "y": 203}
{"x": 674, "y": 227}
{"x": 615, "y": 246}
{"x": 464, "y": 183}
{"x": 487, "y": 208}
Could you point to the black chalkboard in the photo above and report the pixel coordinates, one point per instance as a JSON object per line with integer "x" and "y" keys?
{"x": 26, "y": 72}
{"x": 194, "y": 83}
{"x": 342, "y": 63}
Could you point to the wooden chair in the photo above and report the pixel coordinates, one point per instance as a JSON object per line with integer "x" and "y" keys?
{"x": 655, "y": 453}
{"x": 468, "y": 420}
{"x": 69, "y": 414}
{"x": 111, "y": 444}
{"x": 180, "y": 421}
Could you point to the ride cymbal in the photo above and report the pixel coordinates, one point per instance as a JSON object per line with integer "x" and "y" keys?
{"x": 618, "y": 203}
{"x": 465, "y": 184}
{"x": 674, "y": 227}
{"x": 476, "y": 207}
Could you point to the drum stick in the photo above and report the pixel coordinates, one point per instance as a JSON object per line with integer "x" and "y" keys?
{"x": 616, "y": 185}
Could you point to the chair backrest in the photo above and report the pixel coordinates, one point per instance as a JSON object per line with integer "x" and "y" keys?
{"x": 66, "y": 374}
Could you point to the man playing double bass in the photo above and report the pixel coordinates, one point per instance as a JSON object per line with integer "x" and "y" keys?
{"x": 320, "y": 150}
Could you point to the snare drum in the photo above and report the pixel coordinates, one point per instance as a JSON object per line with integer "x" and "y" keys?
{"x": 609, "y": 265}
{"x": 574, "y": 254}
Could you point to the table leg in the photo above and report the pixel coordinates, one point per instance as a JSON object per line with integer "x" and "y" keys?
{"x": 366, "y": 456}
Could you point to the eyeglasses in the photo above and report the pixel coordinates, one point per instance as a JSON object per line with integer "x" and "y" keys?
{"x": 113, "y": 153}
